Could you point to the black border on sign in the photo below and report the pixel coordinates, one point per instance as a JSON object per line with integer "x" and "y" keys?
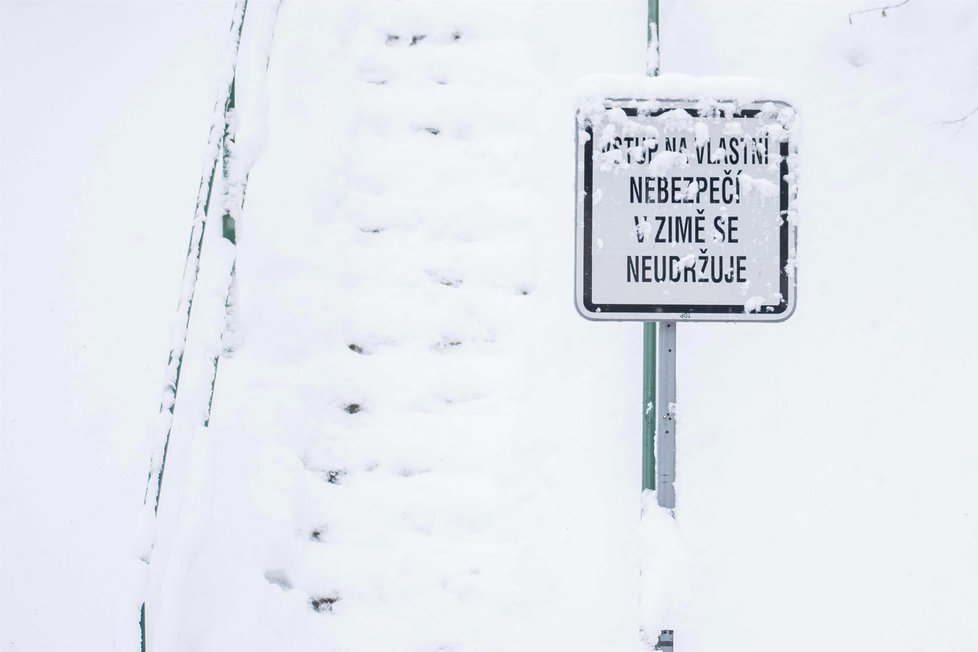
{"x": 681, "y": 308}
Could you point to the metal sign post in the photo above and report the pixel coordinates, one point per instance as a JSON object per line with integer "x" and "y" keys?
{"x": 658, "y": 424}
{"x": 663, "y": 364}
{"x": 665, "y": 431}
{"x": 648, "y": 405}
{"x": 649, "y": 328}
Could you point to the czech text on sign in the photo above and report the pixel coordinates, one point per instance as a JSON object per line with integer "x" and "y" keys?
{"x": 685, "y": 210}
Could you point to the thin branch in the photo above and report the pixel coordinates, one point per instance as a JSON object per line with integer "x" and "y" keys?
{"x": 880, "y": 9}
{"x": 958, "y": 121}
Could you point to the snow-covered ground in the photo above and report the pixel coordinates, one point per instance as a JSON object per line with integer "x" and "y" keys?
{"x": 104, "y": 110}
{"x": 417, "y": 443}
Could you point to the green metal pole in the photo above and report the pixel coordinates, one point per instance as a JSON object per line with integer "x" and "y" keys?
{"x": 648, "y": 328}
{"x": 652, "y": 38}
{"x": 648, "y": 404}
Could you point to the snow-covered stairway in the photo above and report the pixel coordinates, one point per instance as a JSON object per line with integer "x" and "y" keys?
{"x": 415, "y": 446}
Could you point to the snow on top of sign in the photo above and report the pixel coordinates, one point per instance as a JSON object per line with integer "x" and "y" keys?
{"x": 679, "y": 87}
{"x": 622, "y": 138}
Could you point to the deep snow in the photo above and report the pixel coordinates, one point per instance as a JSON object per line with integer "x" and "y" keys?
{"x": 482, "y": 494}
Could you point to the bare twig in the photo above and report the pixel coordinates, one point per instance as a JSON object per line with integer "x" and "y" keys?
{"x": 882, "y": 10}
{"x": 958, "y": 121}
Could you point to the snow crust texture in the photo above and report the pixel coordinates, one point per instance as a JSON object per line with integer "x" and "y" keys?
{"x": 416, "y": 444}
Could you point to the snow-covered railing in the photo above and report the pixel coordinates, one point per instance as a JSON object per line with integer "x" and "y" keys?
{"x": 221, "y": 147}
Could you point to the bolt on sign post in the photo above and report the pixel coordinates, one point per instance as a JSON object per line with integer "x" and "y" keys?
{"x": 685, "y": 211}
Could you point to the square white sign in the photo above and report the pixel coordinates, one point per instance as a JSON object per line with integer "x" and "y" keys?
{"x": 685, "y": 210}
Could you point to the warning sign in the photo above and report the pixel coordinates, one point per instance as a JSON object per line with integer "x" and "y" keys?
{"x": 685, "y": 210}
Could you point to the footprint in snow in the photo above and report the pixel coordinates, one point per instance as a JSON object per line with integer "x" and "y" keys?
{"x": 444, "y": 345}
{"x": 449, "y": 282}
{"x": 395, "y": 39}
{"x": 333, "y": 475}
{"x": 324, "y": 603}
